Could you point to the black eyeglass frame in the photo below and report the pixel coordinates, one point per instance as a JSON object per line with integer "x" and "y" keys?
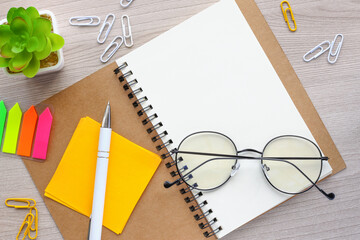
{"x": 262, "y": 158}
{"x": 179, "y": 172}
{"x": 313, "y": 183}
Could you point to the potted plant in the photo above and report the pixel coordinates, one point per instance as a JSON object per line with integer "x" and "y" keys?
{"x": 29, "y": 42}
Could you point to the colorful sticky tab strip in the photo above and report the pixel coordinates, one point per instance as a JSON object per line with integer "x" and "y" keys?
{"x": 30, "y": 123}
{"x": 2, "y": 119}
{"x": 12, "y": 129}
{"x": 42, "y": 135}
{"x": 27, "y": 132}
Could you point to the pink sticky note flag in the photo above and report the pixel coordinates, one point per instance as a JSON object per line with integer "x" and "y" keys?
{"x": 42, "y": 135}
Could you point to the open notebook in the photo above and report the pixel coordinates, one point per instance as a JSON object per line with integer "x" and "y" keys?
{"x": 208, "y": 73}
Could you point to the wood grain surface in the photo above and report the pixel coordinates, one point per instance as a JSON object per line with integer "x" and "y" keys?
{"x": 334, "y": 90}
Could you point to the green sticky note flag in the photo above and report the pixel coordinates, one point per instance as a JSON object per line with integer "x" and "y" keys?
{"x": 2, "y": 119}
{"x": 12, "y": 129}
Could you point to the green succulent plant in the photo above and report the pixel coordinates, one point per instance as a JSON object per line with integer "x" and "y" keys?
{"x": 25, "y": 40}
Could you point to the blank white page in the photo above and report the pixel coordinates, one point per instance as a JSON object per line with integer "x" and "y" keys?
{"x": 210, "y": 73}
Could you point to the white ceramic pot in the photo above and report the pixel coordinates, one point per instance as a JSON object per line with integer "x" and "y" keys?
{"x": 60, "y": 54}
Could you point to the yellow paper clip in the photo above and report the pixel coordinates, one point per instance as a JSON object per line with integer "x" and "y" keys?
{"x": 34, "y": 223}
{"x": 28, "y": 221}
{"x": 30, "y": 203}
{"x": 284, "y": 11}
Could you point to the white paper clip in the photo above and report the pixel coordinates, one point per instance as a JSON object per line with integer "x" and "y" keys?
{"x": 112, "y": 44}
{"x": 80, "y": 21}
{"x": 109, "y": 26}
{"x": 129, "y": 35}
{"x": 320, "y": 47}
{"x": 125, "y": 5}
{"x": 337, "y": 52}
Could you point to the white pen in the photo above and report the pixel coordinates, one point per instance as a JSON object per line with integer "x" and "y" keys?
{"x": 96, "y": 218}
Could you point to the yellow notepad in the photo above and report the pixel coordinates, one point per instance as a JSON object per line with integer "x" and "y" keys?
{"x": 130, "y": 169}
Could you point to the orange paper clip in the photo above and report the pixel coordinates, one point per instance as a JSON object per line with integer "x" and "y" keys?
{"x": 284, "y": 11}
{"x": 30, "y": 203}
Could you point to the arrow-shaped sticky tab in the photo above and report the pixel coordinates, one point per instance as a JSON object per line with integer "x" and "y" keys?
{"x": 42, "y": 135}
{"x": 27, "y": 132}
{"x": 12, "y": 129}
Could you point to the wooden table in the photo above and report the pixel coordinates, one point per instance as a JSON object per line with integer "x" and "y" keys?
{"x": 334, "y": 90}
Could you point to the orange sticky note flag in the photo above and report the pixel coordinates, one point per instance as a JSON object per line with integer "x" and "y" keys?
{"x": 27, "y": 132}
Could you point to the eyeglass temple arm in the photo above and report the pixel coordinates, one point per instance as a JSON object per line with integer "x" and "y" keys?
{"x": 330, "y": 196}
{"x": 245, "y": 157}
{"x": 168, "y": 184}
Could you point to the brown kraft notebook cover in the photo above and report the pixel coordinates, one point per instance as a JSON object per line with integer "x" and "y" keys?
{"x": 161, "y": 213}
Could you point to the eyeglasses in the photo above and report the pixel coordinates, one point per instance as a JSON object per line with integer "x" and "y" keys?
{"x": 207, "y": 160}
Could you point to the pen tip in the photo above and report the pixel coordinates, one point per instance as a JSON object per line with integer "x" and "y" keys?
{"x": 106, "y": 118}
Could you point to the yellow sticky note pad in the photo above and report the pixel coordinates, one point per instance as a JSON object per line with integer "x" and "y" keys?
{"x": 130, "y": 169}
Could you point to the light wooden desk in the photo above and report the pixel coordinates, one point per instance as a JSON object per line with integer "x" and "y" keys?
{"x": 334, "y": 90}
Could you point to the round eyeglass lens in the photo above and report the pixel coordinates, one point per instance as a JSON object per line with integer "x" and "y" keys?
{"x": 214, "y": 171}
{"x": 283, "y": 174}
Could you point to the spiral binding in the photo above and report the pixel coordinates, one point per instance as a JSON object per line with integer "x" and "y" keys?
{"x": 164, "y": 145}
{"x": 139, "y": 102}
{"x": 175, "y": 173}
{"x": 201, "y": 216}
{"x": 208, "y": 224}
{"x": 190, "y": 199}
{"x": 188, "y": 188}
{"x": 213, "y": 232}
{"x": 193, "y": 208}
{"x": 154, "y": 127}
{"x": 129, "y": 84}
{"x": 159, "y": 136}
{"x": 144, "y": 110}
